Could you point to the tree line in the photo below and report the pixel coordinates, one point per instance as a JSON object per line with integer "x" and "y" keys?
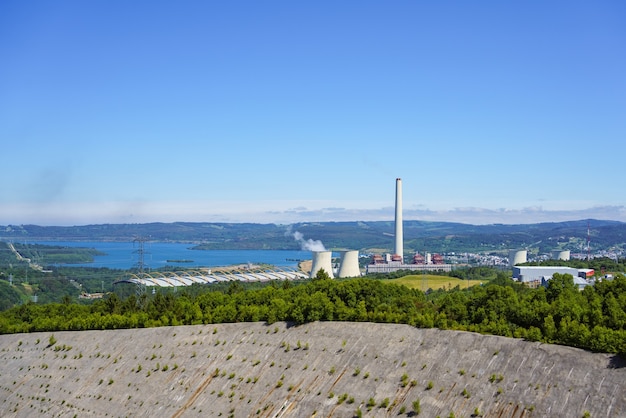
{"x": 593, "y": 319}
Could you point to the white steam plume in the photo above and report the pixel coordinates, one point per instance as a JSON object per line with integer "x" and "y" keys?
{"x": 309, "y": 244}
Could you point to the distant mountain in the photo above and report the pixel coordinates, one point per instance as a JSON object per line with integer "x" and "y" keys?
{"x": 418, "y": 235}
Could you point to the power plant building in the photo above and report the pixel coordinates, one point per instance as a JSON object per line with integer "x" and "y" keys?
{"x": 349, "y": 264}
{"x": 535, "y": 276}
{"x": 561, "y": 255}
{"x": 395, "y": 261}
{"x": 517, "y": 257}
{"x": 322, "y": 260}
{"x": 387, "y": 264}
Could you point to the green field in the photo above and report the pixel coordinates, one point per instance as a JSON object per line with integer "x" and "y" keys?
{"x": 429, "y": 281}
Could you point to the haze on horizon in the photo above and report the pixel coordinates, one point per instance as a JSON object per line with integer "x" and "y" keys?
{"x": 282, "y": 112}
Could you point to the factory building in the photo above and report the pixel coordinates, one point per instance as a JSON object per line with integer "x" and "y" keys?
{"x": 348, "y": 264}
{"x": 390, "y": 263}
{"x": 535, "y": 276}
{"x": 394, "y": 262}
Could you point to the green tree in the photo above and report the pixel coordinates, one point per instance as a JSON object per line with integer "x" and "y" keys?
{"x": 321, "y": 275}
{"x": 560, "y": 284}
{"x": 549, "y": 329}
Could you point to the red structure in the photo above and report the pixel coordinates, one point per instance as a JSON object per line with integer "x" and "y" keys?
{"x": 437, "y": 259}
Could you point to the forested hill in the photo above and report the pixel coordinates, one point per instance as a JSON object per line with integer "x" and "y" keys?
{"x": 418, "y": 235}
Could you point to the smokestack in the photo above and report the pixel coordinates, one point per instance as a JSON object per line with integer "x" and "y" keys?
{"x": 399, "y": 237}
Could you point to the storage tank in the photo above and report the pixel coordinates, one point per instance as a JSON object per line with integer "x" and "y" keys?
{"x": 517, "y": 257}
{"x": 349, "y": 265}
{"x": 561, "y": 255}
{"x": 322, "y": 260}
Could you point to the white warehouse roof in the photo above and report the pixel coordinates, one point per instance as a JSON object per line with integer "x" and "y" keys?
{"x": 537, "y": 273}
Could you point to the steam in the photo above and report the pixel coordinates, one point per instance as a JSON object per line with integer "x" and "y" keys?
{"x": 309, "y": 244}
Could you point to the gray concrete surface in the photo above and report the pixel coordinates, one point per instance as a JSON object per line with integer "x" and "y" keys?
{"x": 317, "y": 369}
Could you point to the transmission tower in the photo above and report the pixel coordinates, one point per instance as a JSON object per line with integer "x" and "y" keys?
{"x": 141, "y": 252}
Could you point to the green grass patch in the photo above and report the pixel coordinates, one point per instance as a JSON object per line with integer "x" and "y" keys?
{"x": 430, "y": 281}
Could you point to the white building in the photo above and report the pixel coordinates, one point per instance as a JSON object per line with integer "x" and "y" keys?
{"x": 535, "y": 276}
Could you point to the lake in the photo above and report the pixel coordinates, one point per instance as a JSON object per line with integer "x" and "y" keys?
{"x": 125, "y": 255}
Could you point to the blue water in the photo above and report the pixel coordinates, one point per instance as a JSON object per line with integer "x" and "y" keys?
{"x": 124, "y": 255}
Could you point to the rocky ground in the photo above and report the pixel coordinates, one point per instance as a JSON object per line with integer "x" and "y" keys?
{"x": 318, "y": 369}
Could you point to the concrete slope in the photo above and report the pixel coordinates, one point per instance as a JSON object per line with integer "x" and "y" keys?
{"x": 319, "y": 369}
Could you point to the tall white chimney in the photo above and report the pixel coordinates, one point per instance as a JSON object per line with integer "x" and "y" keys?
{"x": 399, "y": 237}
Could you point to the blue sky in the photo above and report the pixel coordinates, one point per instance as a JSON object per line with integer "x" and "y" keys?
{"x": 276, "y": 111}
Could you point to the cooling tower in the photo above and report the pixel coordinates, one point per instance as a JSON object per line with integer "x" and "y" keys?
{"x": 399, "y": 236}
{"x": 561, "y": 255}
{"x": 517, "y": 257}
{"x": 322, "y": 260}
{"x": 349, "y": 266}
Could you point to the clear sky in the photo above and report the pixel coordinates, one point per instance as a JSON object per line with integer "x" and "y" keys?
{"x": 118, "y": 111}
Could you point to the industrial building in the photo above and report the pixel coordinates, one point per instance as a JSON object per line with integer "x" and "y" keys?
{"x": 390, "y": 263}
{"x": 322, "y": 260}
{"x": 535, "y": 276}
{"x": 561, "y": 255}
{"x": 207, "y": 276}
{"x": 348, "y": 264}
{"x": 517, "y": 257}
{"x": 394, "y": 262}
